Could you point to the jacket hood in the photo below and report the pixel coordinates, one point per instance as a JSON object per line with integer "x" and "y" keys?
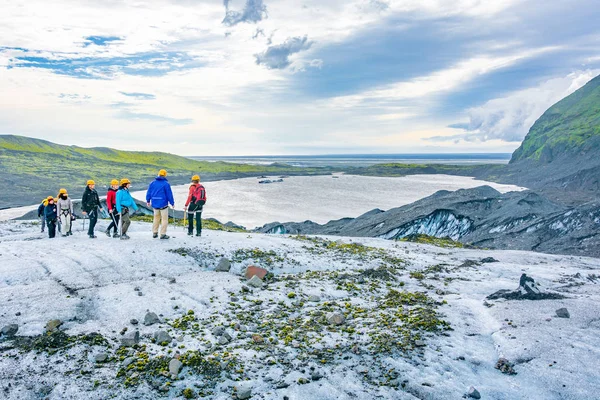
{"x": 161, "y": 178}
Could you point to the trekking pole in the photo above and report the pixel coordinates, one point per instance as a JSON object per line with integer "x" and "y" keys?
{"x": 84, "y": 223}
{"x": 184, "y": 218}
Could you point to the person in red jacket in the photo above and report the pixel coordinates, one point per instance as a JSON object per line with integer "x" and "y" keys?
{"x": 194, "y": 204}
{"x": 111, "y": 201}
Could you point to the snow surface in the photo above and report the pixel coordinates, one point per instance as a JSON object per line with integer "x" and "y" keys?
{"x": 90, "y": 284}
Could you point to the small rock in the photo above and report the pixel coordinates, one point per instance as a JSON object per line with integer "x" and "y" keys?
{"x": 255, "y": 271}
{"x": 489, "y": 260}
{"x": 133, "y": 321}
{"x": 224, "y": 265}
{"x": 420, "y": 343}
{"x": 10, "y": 330}
{"x": 101, "y": 357}
{"x": 180, "y": 338}
{"x": 223, "y": 340}
{"x": 174, "y": 367}
{"x": 162, "y": 337}
{"x": 227, "y": 336}
{"x": 255, "y": 281}
{"x": 505, "y": 367}
{"x": 137, "y": 289}
{"x": 315, "y": 376}
{"x": 335, "y": 318}
{"x": 140, "y": 294}
{"x": 244, "y": 393}
{"x": 314, "y": 299}
{"x": 53, "y": 325}
{"x": 128, "y": 361}
{"x": 245, "y": 289}
{"x": 473, "y": 393}
{"x": 218, "y": 331}
{"x": 563, "y": 313}
{"x": 151, "y": 319}
{"x": 172, "y": 280}
{"x": 131, "y": 340}
{"x": 258, "y": 339}
{"x": 18, "y": 313}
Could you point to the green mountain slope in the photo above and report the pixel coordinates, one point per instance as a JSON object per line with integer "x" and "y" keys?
{"x": 570, "y": 127}
{"x": 34, "y": 168}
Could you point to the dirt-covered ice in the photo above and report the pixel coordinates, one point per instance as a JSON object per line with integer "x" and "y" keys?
{"x": 415, "y": 322}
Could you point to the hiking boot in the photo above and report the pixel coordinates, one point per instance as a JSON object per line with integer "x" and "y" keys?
{"x": 198, "y": 234}
{"x": 154, "y": 235}
{"x": 164, "y": 236}
{"x": 93, "y": 236}
{"x": 107, "y": 232}
{"x": 116, "y": 235}
{"x": 190, "y": 233}
{"x": 124, "y": 237}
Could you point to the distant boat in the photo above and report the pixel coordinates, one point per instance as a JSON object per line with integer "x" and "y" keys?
{"x": 270, "y": 181}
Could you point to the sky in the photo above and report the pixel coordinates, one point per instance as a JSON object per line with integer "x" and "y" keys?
{"x": 266, "y": 77}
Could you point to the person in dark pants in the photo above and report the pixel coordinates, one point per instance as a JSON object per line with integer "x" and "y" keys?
{"x": 194, "y": 204}
{"x": 50, "y": 215}
{"x": 41, "y": 216}
{"x": 111, "y": 202}
{"x": 90, "y": 203}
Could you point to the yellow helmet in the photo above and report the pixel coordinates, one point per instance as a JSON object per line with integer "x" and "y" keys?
{"x": 50, "y": 198}
{"x": 91, "y": 182}
{"x": 162, "y": 172}
{"x": 125, "y": 181}
{"x": 62, "y": 191}
{"x": 196, "y": 177}
{"x": 114, "y": 182}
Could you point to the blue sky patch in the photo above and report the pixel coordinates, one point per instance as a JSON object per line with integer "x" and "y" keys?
{"x": 100, "y": 40}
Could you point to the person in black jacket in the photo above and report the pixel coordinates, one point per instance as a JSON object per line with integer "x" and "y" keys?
{"x": 50, "y": 214}
{"x": 90, "y": 203}
{"x": 41, "y": 209}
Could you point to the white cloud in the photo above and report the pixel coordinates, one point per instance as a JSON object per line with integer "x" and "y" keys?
{"x": 438, "y": 82}
{"x": 509, "y": 118}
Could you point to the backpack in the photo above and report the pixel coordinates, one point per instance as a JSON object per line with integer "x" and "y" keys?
{"x": 199, "y": 195}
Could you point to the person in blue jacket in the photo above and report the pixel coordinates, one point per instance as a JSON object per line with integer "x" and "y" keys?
{"x": 159, "y": 196}
{"x": 124, "y": 202}
{"x": 50, "y": 215}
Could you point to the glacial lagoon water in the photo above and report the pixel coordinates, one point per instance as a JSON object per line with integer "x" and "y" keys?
{"x": 317, "y": 198}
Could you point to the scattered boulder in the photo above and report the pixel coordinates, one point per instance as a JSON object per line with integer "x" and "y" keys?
{"x": 224, "y": 265}
{"x": 223, "y": 340}
{"x": 314, "y": 299}
{"x": 151, "y": 319}
{"x": 162, "y": 337}
{"x": 473, "y": 393}
{"x": 488, "y": 260}
{"x": 10, "y": 330}
{"x": 527, "y": 290}
{"x": 255, "y": 281}
{"x": 505, "y": 366}
{"x": 53, "y": 325}
{"x": 420, "y": 343}
{"x": 244, "y": 393}
{"x": 218, "y": 331}
{"x": 563, "y": 313}
{"x": 174, "y": 367}
{"x": 133, "y": 321}
{"x": 131, "y": 340}
{"x": 335, "y": 318}
{"x": 128, "y": 361}
{"x": 258, "y": 339}
{"x": 101, "y": 358}
{"x": 255, "y": 271}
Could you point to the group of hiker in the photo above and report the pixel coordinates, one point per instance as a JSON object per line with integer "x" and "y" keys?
{"x": 58, "y": 212}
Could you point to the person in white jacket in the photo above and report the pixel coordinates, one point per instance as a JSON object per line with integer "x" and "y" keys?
{"x": 64, "y": 208}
